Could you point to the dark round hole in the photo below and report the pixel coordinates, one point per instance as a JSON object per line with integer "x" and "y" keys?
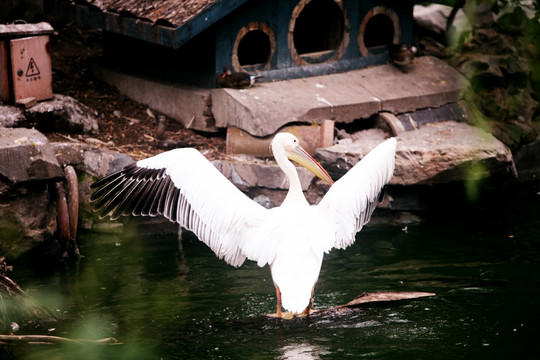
{"x": 318, "y": 27}
{"x": 379, "y": 31}
{"x": 254, "y": 48}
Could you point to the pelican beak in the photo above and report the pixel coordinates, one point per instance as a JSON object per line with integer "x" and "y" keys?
{"x": 301, "y": 156}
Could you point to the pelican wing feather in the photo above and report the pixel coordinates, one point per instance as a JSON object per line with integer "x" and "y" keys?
{"x": 186, "y": 188}
{"x": 352, "y": 199}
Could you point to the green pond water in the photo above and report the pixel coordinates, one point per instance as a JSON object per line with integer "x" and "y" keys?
{"x": 168, "y": 299}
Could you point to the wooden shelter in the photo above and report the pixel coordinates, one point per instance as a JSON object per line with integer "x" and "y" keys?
{"x": 191, "y": 41}
{"x": 320, "y": 60}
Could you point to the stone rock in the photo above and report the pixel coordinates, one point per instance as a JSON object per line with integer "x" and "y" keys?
{"x": 26, "y": 219}
{"x": 433, "y": 18}
{"x": 99, "y": 162}
{"x": 265, "y": 182}
{"x": 63, "y": 113}
{"x": 26, "y": 155}
{"x": 27, "y": 167}
{"x": 255, "y": 173}
{"x": 434, "y": 154}
{"x": 70, "y": 153}
{"x": 11, "y": 116}
{"x": 264, "y": 201}
{"x": 528, "y": 161}
{"x": 96, "y": 161}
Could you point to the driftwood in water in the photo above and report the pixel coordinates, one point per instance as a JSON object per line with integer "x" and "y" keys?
{"x": 361, "y": 300}
{"x": 370, "y": 299}
{"x": 382, "y": 297}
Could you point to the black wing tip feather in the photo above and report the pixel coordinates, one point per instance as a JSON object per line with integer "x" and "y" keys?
{"x": 108, "y": 178}
{"x": 131, "y": 191}
{"x": 380, "y": 198}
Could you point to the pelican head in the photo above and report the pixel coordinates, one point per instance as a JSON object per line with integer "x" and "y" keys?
{"x": 287, "y": 146}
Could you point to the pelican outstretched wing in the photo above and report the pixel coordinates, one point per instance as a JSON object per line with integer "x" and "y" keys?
{"x": 186, "y": 188}
{"x": 352, "y": 199}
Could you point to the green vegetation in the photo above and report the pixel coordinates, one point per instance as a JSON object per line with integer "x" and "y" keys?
{"x": 501, "y": 60}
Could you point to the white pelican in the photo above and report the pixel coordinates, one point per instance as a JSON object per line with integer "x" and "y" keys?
{"x": 186, "y": 188}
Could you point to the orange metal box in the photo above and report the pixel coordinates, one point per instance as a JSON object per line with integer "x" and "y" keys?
{"x": 25, "y": 62}
{"x": 31, "y": 68}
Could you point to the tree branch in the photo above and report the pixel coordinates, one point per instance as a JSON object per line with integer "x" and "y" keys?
{"x": 47, "y": 339}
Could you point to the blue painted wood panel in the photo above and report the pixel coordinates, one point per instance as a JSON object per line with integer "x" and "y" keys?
{"x": 277, "y": 15}
{"x": 221, "y": 24}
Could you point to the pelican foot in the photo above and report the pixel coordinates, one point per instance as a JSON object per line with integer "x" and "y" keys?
{"x": 284, "y": 315}
{"x": 307, "y": 312}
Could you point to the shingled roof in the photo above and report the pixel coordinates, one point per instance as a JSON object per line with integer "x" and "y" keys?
{"x": 172, "y": 13}
{"x": 165, "y": 22}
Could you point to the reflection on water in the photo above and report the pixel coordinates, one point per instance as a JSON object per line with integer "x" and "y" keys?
{"x": 162, "y": 300}
{"x": 303, "y": 351}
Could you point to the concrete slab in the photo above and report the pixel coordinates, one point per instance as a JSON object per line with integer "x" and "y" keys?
{"x": 186, "y": 104}
{"x": 263, "y": 109}
{"x": 267, "y": 107}
{"x": 429, "y": 83}
{"x": 344, "y": 97}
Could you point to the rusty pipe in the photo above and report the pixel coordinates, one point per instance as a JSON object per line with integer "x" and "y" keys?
{"x": 62, "y": 213}
{"x": 311, "y": 137}
{"x": 72, "y": 199}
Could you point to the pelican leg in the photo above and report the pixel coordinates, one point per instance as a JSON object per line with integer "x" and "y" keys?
{"x": 278, "y": 295}
{"x": 307, "y": 310}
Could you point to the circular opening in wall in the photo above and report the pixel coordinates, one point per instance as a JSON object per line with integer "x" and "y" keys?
{"x": 318, "y": 31}
{"x": 253, "y": 49}
{"x": 379, "y": 28}
{"x": 379, "y": 31}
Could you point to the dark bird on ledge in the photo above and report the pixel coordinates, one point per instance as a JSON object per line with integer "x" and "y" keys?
{"x": 402, "y": 55}
{"x": 162, "y": 140}
{"x": 236, "y": 80}
{"x": 161, "y": 127}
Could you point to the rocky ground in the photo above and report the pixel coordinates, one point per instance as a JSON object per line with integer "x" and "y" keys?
{"x": 124, "y": 124}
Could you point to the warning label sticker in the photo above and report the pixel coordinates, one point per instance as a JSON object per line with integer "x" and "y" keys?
{"x": 32, "y": 72}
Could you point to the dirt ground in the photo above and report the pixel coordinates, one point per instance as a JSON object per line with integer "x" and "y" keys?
{"x": 124, "y": 124}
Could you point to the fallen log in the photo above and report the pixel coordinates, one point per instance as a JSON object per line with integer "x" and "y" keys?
{"x": 365, "y": 298}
